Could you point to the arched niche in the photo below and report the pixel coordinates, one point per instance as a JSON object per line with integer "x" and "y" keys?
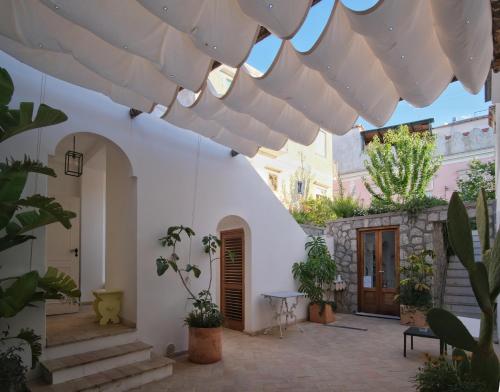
{"x": 107, "y": 192}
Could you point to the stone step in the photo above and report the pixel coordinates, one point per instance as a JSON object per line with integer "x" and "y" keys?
{"x": 115, "y": 338}
{"x": 119, "y": 379}
{"x": 457, "y": 273}
{"x": 457, "y": 282}
{"x": 456, "y": 265}
{"x": 459, "y": 290}
{"x": 71, "y": 367}
{"x": 460, "y": 300}
{"x": 464, "y": 309}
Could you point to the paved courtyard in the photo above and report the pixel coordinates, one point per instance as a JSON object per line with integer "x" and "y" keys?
{"x": 322, "y": 358}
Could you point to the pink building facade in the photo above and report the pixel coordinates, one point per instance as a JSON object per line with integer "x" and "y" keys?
{"x": 458, "y": 143}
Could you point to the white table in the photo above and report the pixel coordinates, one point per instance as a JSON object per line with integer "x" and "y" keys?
{"x": 278, "y": 300}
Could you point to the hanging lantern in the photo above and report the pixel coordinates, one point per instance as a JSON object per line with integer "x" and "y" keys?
{"x": 73, "y": 161}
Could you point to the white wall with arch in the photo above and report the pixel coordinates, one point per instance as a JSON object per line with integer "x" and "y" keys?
{"x": 180, "y": 178}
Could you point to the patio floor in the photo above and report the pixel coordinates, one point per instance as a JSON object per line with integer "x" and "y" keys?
{"x": 321, "y": 358}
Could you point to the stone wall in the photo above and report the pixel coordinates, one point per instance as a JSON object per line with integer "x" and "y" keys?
{"x": 313, "y": 230}
{"x": 424, "y": 231}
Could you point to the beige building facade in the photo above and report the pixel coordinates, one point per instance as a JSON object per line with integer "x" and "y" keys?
{"x": 296, "y": 171}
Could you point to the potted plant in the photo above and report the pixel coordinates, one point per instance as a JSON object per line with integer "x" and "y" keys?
{"x": 316, "y": 278}
{"x": 205, "y": 319}
{"x": 415, "y": 297}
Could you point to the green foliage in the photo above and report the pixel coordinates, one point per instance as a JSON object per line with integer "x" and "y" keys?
{"x": 415, "y": 287}
{"x": 412, "y": 207}
{"x": 292, "y": 197}
{"x": 12, "y": 371}
{"x": 15, "y": 121}
{"x": 401, "y": 166}
{"x": 205, "y": 313}
{"x": 317, "y": 274}
{"x": 443, "y": 375}
{"x": 18, "y": 218}
{"x": 27, "y": 289}
{"x": 479, "y": 176}
{"x": 322, "y": 210}
{"x": 485, "y": 280}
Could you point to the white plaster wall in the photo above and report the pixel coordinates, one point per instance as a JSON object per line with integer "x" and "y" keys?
{"x": 121, "y": 229}
{"x": 92, "y": 218}
{"x": 181, "y": 179}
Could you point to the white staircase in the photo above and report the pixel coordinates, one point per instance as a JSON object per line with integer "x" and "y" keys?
{"x": 110, "y": 363}
{"x": 458, "y": 295}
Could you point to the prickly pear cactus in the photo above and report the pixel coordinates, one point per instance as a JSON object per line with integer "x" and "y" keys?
{"x": 485, "y": 281}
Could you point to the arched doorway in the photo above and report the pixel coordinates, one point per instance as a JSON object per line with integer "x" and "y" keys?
{"x": 235, "y": 257}
{"x": 100, "y": 249}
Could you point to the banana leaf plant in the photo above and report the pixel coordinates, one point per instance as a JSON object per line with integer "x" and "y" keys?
{"x": 19, "y": 216}
{"x": 485, "y": 281}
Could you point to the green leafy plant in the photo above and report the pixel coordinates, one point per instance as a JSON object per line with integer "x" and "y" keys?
{"x": 479, "y": 175}
{"x": 19, "y": 216}
{"x": 485, "y": 281}
{"x": 443, "y": 375}
{"x": 205, "y": 313}
{"x": 415, "y": 287}
{"x": 401, "y": 166}
{"x": 412, "y": 207}
{"x": 317, "y": 274}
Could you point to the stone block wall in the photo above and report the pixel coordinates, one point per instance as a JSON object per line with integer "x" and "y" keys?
{"x": 423, "y": 231}
{"x": 313, "y": 230}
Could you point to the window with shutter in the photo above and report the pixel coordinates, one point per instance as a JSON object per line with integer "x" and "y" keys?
{"x": 232, "y": 278}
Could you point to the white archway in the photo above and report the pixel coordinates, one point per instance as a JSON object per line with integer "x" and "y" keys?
{"x": 108, "y": 216}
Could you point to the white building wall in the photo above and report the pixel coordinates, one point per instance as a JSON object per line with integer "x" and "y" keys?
{"x": 92, "y": 218}
{"x": 181, "y": 179}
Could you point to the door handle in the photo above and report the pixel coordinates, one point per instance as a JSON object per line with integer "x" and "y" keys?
{"x": 381, "y": 272}
{"x": 75, "y": 251}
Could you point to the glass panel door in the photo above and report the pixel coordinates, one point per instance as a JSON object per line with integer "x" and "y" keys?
{"x": 388, "y": 270}
{"x": 370, "y": 262}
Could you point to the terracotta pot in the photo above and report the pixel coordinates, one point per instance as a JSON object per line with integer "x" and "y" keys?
{"x": 205, "y": 345}
{"x": 326, "y": 317}
{"x": 413, "y": 316}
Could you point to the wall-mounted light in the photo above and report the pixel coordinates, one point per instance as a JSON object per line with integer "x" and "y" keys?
{"x": 73, "y": 161}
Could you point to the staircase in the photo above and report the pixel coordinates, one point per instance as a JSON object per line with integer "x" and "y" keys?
{"x": 118, "y": 362}
{"x": 458, "y": 295}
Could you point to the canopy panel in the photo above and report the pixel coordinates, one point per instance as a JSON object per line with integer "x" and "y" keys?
{"x": 144, "y": 52}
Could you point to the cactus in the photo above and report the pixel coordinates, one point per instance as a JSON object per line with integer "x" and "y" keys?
{"x": 485, "y": 281}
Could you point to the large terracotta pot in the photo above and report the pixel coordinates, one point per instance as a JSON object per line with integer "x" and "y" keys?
{"x": 413, "y": 316}
{"x": 205, "y": 345}
{"x": 326, "y": 317}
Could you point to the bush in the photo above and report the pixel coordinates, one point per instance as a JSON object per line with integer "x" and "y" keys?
{"x": 401, "y": 165}
{"x": 347, "y": 206}
{"x": 415, "y": 287}
{"x": 317, "y": 274}
{"x": 323, "y": 210}
{"x": 411, "y": 207}
{"x": 480, "y": 175}
{"x": 446, "y": 376}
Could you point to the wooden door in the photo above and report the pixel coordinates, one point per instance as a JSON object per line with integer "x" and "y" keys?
{"x": 378, "y": 270}
{"x": 233, "y": 278}
{"x": 63, "y": 253}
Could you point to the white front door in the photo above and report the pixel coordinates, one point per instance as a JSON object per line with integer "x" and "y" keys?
{"x": 63, "y": 252}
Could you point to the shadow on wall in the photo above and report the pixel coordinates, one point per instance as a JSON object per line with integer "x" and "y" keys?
{"x": 105, "y": 196}
{"x": 234, "y": 272}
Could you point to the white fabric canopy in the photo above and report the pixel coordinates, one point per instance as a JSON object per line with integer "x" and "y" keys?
{"x": 141, "y": 52}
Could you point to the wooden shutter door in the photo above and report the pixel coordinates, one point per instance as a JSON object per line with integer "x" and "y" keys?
{"x": 232, "y": 278}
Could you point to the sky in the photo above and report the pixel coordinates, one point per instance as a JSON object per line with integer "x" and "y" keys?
{"x": 455, "y": 102}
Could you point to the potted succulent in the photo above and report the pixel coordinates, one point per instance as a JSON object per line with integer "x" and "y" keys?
{"x": 415, "y": 297}
{"x": 205, "y": 319}
{"x": 316, "y": 278}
